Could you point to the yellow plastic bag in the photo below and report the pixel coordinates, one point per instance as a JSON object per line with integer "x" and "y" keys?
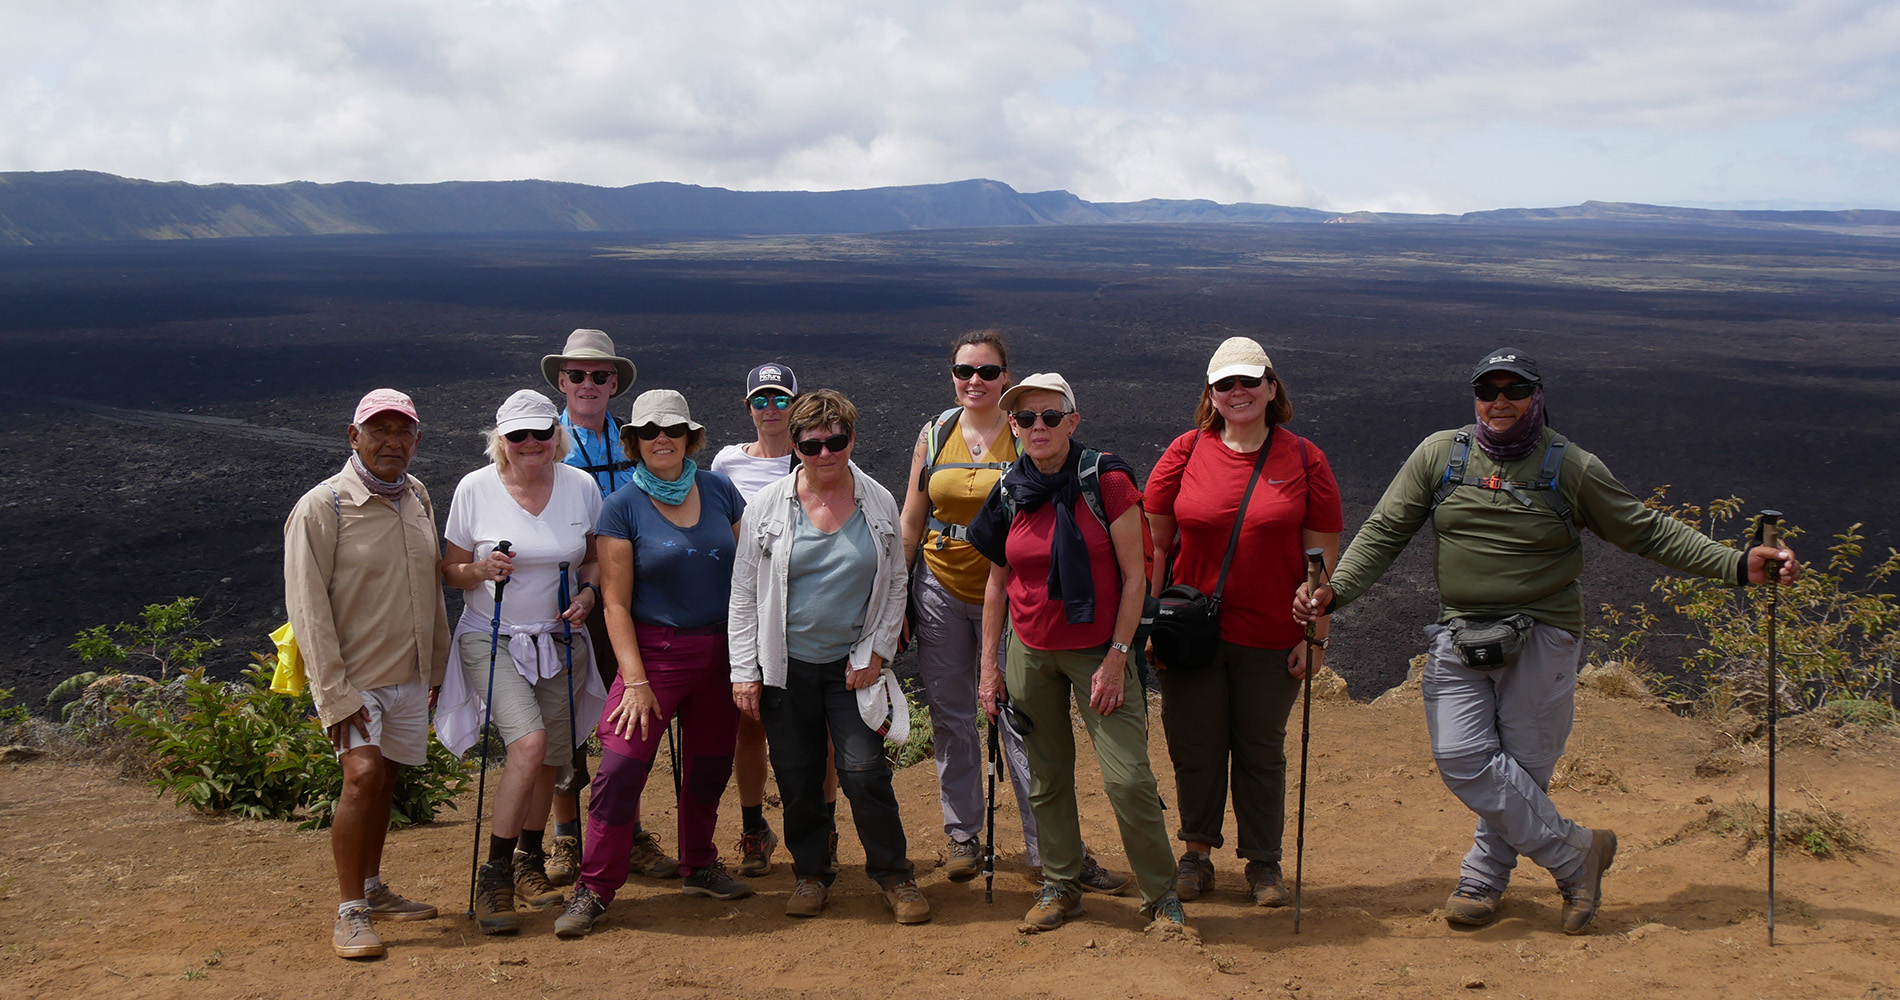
{"x": 288, "y": 677}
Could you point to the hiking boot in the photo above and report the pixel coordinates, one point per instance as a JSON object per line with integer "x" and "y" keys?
{"x": 583, "y": 908}
{"x": 385, "y": 904}
{"x": 1473, "y": 904}
{"x": 965, "y": 860}
{"x": 1265, "y": 885}
{"x": 1583, "y": 895}
{"x": 1168, "y": 908}
{"x": 755, "y": 852}
{"x": 355, "y": 936}
{"x": 532, "y": 888}
{"x": 1095, "y": 878}
{"x": 807, "y": 898}
{"x": 907, "y": 902}
{"x": 713, "y": 881}
{"x": 1053, "y": 906}
{"x": 564, "y": 861}
{"x": 495, "y": 899}
{"x": 1194, "y": 876}
{"x": 648, "y": 860}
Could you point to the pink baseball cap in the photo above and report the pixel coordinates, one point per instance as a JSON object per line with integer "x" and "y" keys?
{"x": 383, "y": 400}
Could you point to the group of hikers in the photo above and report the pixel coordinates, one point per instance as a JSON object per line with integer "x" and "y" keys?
{"x": 611, "y": 585}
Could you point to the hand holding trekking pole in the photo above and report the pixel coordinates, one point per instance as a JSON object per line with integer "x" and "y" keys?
{"x": 1768, "y": 539}
{"x": 1315, "y": 577}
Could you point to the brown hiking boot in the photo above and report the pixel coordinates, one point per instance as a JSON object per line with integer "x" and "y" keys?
{"x": 807, "y": 898}
{"x": 1193, "y": 876}
{"x": 564, "y": 861}
{"x": 354, "y": 937}
{"x": 964, "y": 862}
{"x": 386, "y": 904}
{"x": 755, "y": 852}
{"x": 1473, "y": 904}
{"x": 1583, "y": 895}
{"x": 1265, "y": 884}
{"x": 495, "y": 899}
{"x": 532, "y": 888}
{"x": 648, "y": 860}
{"x": 1053, "y": 906}
{"x": 1095, "y": 878}
{"x": 907, "y": 902}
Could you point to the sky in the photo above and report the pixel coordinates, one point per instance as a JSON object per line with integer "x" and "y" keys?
{"x": 1344, "y": 105}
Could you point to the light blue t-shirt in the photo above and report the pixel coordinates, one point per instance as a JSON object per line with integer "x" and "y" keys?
{"x": 828, "y": 588}
{"x": 598, "y": 455}
{"x": 682, "y": 577}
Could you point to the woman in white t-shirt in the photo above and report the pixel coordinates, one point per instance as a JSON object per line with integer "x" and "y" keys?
{"x": 540, "y": 669}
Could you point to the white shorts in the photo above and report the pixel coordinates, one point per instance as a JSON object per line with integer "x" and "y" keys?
{"x": 398, "y": 723}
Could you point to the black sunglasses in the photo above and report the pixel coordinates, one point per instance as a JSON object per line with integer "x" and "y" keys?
{"x": 988, "y": 373}
{"x": 576, "y": 376}
{"x": 1050, "y": 418}
{"x": 775, "y": 400}
{"x": 519, "y": 436}
{"x": 647, "y": 432}
{"x": 834, "y": 444}
{"x": 1227, "y": 384}
{"x": 1515, "y": 390}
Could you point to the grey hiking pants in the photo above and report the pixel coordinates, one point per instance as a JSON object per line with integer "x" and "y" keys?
{"x": 1496, "y": 736}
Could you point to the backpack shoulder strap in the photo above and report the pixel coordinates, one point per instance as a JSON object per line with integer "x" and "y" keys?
{"x": 1454, "y": 475}
{"x": 1089, "y": 471}
{"x": 1549, "y": 487}
{"x": 935, "y": 437}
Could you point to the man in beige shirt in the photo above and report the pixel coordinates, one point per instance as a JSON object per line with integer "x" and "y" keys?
{"x": 365, "y": 599}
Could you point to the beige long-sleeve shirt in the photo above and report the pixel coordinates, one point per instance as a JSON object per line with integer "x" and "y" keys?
{"x": 364, "y": 592}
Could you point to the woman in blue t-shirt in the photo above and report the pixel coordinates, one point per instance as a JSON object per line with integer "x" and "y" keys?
{"x": 666, "y": 543}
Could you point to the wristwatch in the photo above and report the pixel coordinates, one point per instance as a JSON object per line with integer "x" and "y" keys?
{"x": 1119, "y": 647}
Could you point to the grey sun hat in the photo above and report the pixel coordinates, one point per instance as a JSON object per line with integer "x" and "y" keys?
{"x": 661, "y": 408}
{"x": 589, "y": 345}
{"x": 1238, "y": 356}
{"x": 1507, "y": 359}
{"x": 526, "y": 410}
{"x": 1045, "y": 381}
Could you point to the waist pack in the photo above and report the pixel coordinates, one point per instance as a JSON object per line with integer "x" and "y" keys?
{"x": 1490, "y": 643}
{"x": 1186, "y": 628}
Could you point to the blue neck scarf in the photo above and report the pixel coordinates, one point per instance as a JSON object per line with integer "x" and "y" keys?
{"x": 670, "y": 493}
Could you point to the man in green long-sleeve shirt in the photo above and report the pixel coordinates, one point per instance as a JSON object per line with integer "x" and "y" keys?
{"x": 1507, "y": 497}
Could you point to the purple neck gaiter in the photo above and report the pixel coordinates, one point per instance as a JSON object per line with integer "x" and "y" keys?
{"x": 1517, "y": 440}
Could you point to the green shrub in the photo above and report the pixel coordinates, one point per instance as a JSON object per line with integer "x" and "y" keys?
{"x": 11, "y": 716}
{"x": 163, "y": 637}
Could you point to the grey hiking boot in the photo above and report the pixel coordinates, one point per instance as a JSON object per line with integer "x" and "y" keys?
{"x": 532, "y": 888}
{"x": 964, "y": 862}
{"x": 755, "y": 852}
{"x": 495, "y": 899}
{"x": 1095, "y": 878}
{"x": 1194, "y": 875}
{"x": 648, "y": 860}
{"x": 354, "y": 936}
{"x": 1583, "y": 895}
{"x": 1473, "y": 904}
{"x": 583, "y": 908}
{"x": 907, "y": 902}
{"x": 386, "y": 904}
{"x": 1265, "y": 885}
{"x": 1054, "y": 905}
{"x": 564, "y": 861}
{"x": 1168, "y": 908}
{"x": 713, "y": 881}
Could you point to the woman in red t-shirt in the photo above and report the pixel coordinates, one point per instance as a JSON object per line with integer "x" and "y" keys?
{"x": 1235, "y": 708}
{"x": 1067, "y": 550}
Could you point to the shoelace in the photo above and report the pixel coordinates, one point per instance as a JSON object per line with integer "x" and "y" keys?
{"x": 810, "y": 888}
{"x": 906, "y": 892}
{"x": 1050, "y": 893}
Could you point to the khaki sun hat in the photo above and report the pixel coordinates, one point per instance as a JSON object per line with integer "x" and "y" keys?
{"x": 1238, "y": 356}
{"x": 589, "y": 345}
{"x": 661, "y": 408}
{"x": 1045, "y": 381}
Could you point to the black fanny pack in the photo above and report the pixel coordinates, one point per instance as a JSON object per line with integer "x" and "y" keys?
{"x": 1186, "y": 628}
{"x": 1490, "y": 643}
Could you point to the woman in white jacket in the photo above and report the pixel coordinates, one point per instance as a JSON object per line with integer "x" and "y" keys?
{"x": 817, "y": 603}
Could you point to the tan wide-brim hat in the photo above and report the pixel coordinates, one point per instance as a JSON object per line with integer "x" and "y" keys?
{"x": 589, "y": 345}
{"x": 1044, "y": 381}
{"x": 661, "y": 408}
{"x": 1238, "y": 356}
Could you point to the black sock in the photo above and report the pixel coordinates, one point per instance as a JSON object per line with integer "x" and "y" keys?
{"x": 531, "y": 842}
{"x": 501, "y": 850}
{"x": 831, "y": 813}
{"x": 752, "y": 819}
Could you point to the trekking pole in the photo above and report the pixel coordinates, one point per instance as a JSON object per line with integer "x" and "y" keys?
{"x": 573, "y": 729}
{"x": 481, "y": 783}
{"x": 1315, "y": 578}
{"x": 989, "y": 821}
{"x": 1768, "y": 532}
{"x": 673, "y": 751}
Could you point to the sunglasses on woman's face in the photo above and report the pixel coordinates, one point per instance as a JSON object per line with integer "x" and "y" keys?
{"x": 1245, "y": 381}
{"x": 1515, "y": 390}
{"x": 777, "y": 401}
{"x": 1027, "y": 418}
{"x": 647, "y": 432}
{"x": 988, "y": 373}
{"x": 834, "y": 444}
{"x": 519, "y": 436}
{"x": 576, "y": 376}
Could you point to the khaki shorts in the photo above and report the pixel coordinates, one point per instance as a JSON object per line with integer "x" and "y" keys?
{"x": 398, "y": 723}
{"x": 520, "y": 708}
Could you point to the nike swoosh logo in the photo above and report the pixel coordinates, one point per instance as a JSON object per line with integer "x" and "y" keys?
{"x": 1275, "y": 482}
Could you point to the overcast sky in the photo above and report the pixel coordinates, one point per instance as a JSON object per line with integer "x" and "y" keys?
{"x": 1405, "y": 105}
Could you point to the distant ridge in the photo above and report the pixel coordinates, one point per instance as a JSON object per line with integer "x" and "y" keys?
{"x": 75, "y": 206}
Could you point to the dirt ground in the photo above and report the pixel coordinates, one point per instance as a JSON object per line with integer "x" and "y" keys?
{"x": 106, "y": 891}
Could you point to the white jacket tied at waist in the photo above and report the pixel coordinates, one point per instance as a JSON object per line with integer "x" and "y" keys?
{"x": 537, "y": 654}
